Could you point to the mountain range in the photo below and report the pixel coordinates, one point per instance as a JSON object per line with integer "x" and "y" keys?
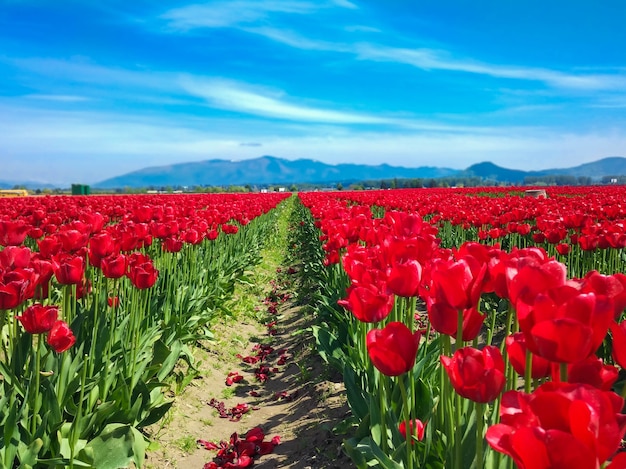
{"x": 263, "y": 171}
{"x": 271, "y": 170}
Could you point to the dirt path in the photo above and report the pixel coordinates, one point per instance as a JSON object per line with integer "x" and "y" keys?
{"x": 300, "y": 401}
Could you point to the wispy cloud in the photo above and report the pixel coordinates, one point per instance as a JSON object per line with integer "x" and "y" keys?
{"x": 359, "y": 28}
{"x": 58, "y": 97}
{"x": 431, "y": 59}
{"x": 232, "y": 12}
{"x": 239, "y": 97}
{"x": 295, "y": 40}
{"x": 84, "y": 71}
{"x": 251, "y": 16}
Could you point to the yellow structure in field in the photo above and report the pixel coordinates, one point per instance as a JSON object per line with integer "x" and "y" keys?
{"x": 13, "y": 193}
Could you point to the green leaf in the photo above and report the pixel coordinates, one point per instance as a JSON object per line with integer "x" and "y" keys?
{"x": 28, "y": 454}
{"x": 115, "y": 448}
{"x": 354, "y": 393}
{"x": 329, "y": 347}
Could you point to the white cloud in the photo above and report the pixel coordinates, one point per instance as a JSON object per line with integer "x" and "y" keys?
{"x": 232, "y": 13}
{"x": 295, "y": 40}
{"x": 72, "y": 146}
{"x": 240, "y": 97}
{"x": 84, "y": 71}
{"x": 431, "y": 59}
{"x": 358, "y": 28}
{"x": 57, "y": 97}
{"x": 345, "y": 4}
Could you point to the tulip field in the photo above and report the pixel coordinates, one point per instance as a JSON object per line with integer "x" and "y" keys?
{"x": 473, "y": 328}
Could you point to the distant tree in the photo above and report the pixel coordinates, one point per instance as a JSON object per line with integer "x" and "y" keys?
{"x": 339, "y": 186}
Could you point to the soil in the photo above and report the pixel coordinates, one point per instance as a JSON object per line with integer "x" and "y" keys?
{"x": 301, "y": 403}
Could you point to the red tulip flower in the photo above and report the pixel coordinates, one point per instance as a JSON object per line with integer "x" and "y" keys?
{"x": 475, "y": 374}
{"x": 113, "y": 266}
{"x": 404, "y": 278}
{"x": 417, "y": 429}
{"x": 15, "y": 257}
{"x": 113, "y": 301}
{"x": 393, "y": 349}
{"x": 613, "y": 286}
{"x": 563, "y": 249}
{"x": 13, "y": 232}
{"x": 566, "y": 326}
{"x": 61, "y": 337}
{"x": 68, "y": 269}
{"x": 618, "y": 331}
{"x": 368, "y": 303}
{"x": 458, "y": 283}
{"x": 560, "y": 425}
{"x": 516, "y": 350}
{"x": 38, "y": 319}
{"x": 591, "y": 371}
{"x": 141, "y": 271}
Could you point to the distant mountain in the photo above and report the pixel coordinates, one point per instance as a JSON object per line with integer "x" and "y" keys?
{"x": 265, "y": 170}
{"x": 490, "y": 171}
{"x": 31, "y": 185}
{"x": 611, "y": 166}
{"x": 271, "y": 170}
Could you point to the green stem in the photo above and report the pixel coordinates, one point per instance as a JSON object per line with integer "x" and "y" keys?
{"x": 36, "y": 401}
{"x": 480, "y": 422}
{"x": 382, "y": 394}
{"x": 75, "y": 430}
{"x": 407, "y": 422}
{"x": 528, "y": 372}
{"x": 459, "y": 330}
{"x": 457, "y": 432}
{"x": 563, "y": 372}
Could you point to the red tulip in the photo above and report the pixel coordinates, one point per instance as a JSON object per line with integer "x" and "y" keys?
{"x": 38, "y": 319}
{"x": 143, "y": 276}
{"x": 141, "y": 271}
{"x": 68, "y": 269}
{"x": 49, "y": 246}
{"x": 61, "y": 337}
{"x": 417, "y": 429}
{"x": 113, "y": 266}
{"x": 613, "y": 286}
{"x": 172, "y": 244}
{"x": 368, "y": 303}
{"x": 113, "y": 301}
{"x": 516, "y": 350}
{"x": 11, "y": 294}
{"x": 458, "y": 283}
{"x": 563, "y": 249}
{"x": 13, "y": 232}
{"x": 618, "y": 331}
{"x": 404, "y": 279}
{"x": 475, "y": 374}
{"x": 591, "y": 371}
{"x": 73, "y": 240}
{"x": 393, "y": 349}
{"x": 560, "y": 425}
{"x": 566, "y": 326}
{"x": 101, "y": 245}
{"x": 13, "y": 257}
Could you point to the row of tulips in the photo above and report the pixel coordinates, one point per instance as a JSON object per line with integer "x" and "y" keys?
{"x": 584, "y": 227}
{"x": 100, "y": 298}
{"x": 435, "y": 388}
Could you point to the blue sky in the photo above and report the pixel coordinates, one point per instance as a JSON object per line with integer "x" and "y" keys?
{"x": 90, "y": 90}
